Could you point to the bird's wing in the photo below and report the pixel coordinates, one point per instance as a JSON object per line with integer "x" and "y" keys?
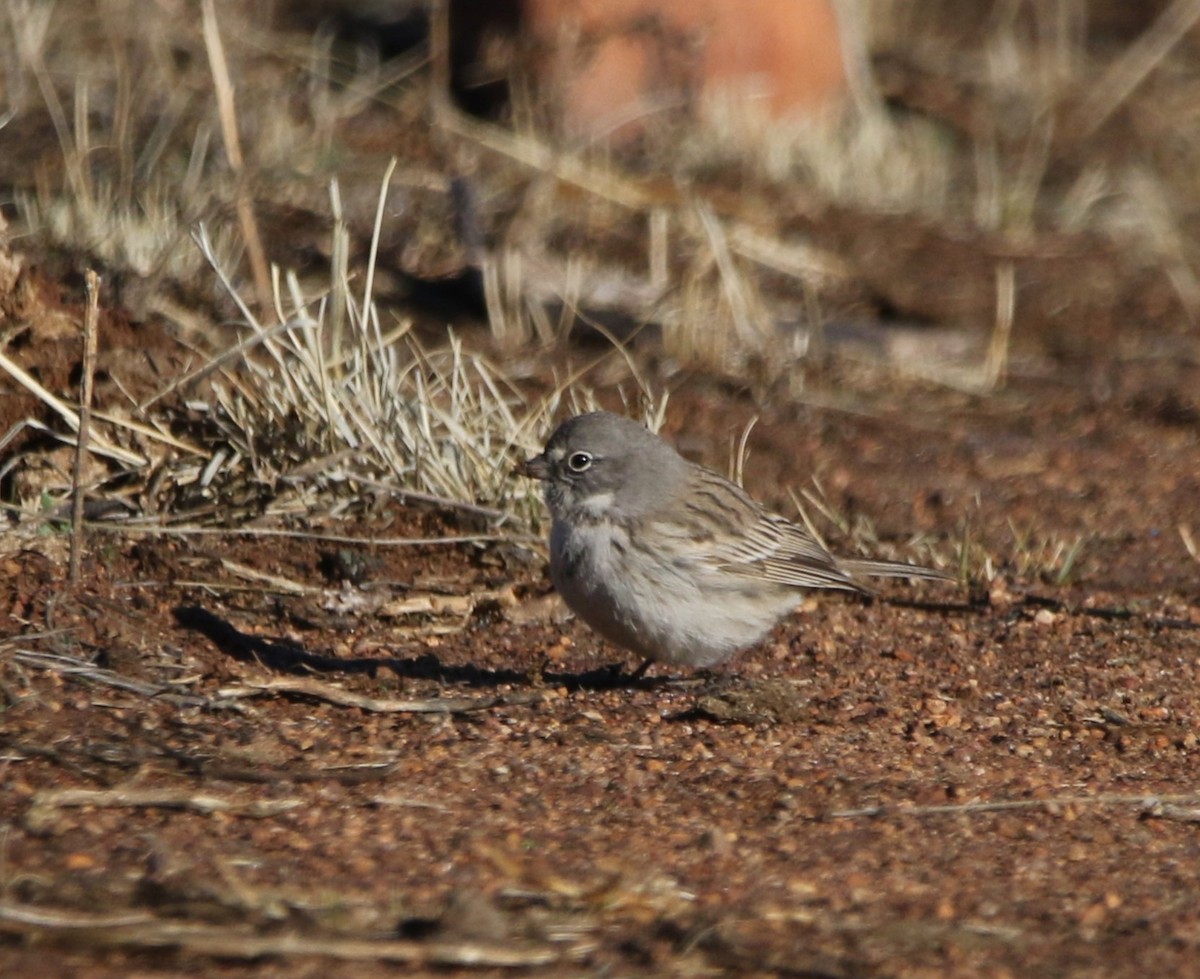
{"x": 721, "y": 526}
{"x": 891, "y": 569}
{"x": 716, "y": 524}
{"x": 727, "y": 530}
{"x": 775, "y": 549}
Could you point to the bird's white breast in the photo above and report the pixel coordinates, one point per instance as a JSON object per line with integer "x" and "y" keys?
{"x": 674, "y": 611}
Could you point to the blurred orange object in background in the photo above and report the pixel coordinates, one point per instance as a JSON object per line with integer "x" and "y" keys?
{"x": 611, "y": 64}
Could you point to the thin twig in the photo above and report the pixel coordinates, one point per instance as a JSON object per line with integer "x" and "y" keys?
{"x": 345, "y": 698}
{"x": 159, "y": 530}
{"x": 273, "y": 582}
{"x": 42, "y": 917}
{"x": 142, "y": 931}
{"x": 72, "y": 666}
{"x": 1147, "y": 801}
{"x": 44, "y": 807}
{"x": 91, "y": 327}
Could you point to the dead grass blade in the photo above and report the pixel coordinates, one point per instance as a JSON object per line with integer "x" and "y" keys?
{"x": 140, "y": 931}
{"x": 183, "y": 530}
{"x": 1189, "y": 542}
{"x": 1149, "y": 804}
{"x": 43, "y": 811}
{"x": 345, "y": 698}
{"x": 100, "y": 445}
{"x": 272, "y": 582}
{"x": 83, "y": 670}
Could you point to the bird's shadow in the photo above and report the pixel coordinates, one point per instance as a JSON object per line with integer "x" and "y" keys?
{"x": 285, "y": 656}
{"x": 972, "y": 606}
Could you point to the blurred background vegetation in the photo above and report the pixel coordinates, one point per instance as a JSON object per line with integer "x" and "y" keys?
{"x": 344, "y": 242}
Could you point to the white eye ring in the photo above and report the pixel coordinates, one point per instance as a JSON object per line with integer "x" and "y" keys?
{"x": 579, "y": 462}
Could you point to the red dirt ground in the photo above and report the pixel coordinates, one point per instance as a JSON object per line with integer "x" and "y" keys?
{"x": 920, "y": 786}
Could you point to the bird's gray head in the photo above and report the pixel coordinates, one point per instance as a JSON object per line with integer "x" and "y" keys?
{"x": 601, "y": 465}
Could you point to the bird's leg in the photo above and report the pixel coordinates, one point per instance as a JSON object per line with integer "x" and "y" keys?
{"x": 641, "y": 670}
{"x": 536, "y": 676}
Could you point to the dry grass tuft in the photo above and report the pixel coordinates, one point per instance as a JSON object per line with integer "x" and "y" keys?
{"x": 335, "y": 406}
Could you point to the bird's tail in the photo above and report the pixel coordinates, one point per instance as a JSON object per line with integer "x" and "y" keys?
{"x": 891, "y": 569}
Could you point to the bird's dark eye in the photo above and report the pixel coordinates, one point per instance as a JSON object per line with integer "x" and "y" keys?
{"x": 579, "y": 462}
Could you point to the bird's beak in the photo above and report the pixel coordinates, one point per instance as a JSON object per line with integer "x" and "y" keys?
{"x": 535, "y": 468}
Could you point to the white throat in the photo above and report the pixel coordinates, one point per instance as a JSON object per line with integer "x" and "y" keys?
{"x": 598, "y": 503}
